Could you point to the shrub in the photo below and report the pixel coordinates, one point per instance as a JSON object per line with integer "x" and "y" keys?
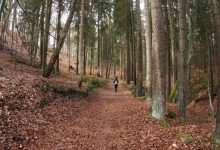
{"x": 64, "y": 91}
{"x": 171, "y": 115}
{"x": 93, "y": 83}
{"x": 81, "y": 93}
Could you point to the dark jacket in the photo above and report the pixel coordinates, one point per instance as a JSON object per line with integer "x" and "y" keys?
{"x": 115, "y": 81}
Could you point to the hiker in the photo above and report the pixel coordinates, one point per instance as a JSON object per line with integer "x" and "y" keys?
{"x": 116, "y": 83}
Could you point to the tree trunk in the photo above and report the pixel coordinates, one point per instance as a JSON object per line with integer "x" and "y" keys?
{"x": 5, "y": 26}
{"x": 81, "y": 42}
{"x": 133, "y": 54}
{"x": 42, "y": 16}
{"x": 139, "y": 81}
{"x": 182, "y": 68}
{"x": 84, "y": 45}
{"x": 108, "y": 59}
{"x": 210, "y": 76}
{"x": 173, "y": 40}
{"x": 59, "y": 46}
{"x": 148, "y": 49}
{"x": 37, "y": 32}
{"x": 91, "y": 61}
{"x": 47, "y": 30}
{"x": 60, "y": 8}
{"x": 14, "y": 21}
{"x": 101, "y": 56}
{"x": 2, "y": 9}
{"x": 121, "y": 63}
{"x": 217, "y": 37}
{"x": 169, "y": 63}
{"x": 159, "y": 59}
{"x": 98, "y": 53}
{"x": 69, "y": 50}
{"x": 77, "y": 53}
{"x": 128, "y": 39}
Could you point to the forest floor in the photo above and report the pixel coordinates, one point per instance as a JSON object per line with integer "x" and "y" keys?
{"x": 103, "y": 120}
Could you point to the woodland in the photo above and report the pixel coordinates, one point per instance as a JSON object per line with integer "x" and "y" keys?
{"x": 58, "y": 60}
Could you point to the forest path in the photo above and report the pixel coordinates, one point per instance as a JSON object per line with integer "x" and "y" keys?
{"x": 103, "y": 121}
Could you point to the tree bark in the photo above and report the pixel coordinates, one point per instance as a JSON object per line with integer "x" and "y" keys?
{"x": 60, "y": 8}
{"x": 47, "y": 30}
{"x": 81, "y": 42}
{"x": 169, "y": 63}
{"x": 128, "y": 39}
{"x": 139, "y": 81}
{"x": 121, "y": 63}
{"x": 5, "y": 25}
{"x": 210, "y": 75}
{"x": 2, "y": 9}
{"x": 14, "y": 21}
{"x": 133, "y": 44}
{"x": 159, "y": 59}
{"x": 173, "y": 40}
{"x": 148, "y": 49}
{"x": 69, "y": 50}
{"x": 98, "y": 53}
{"x": 77, "y": 53}
{"x": 42, "y": 16}
{"x": 217, "y": 39}
{"x": 85, "y": 36}
{"x": 182, "y": 65}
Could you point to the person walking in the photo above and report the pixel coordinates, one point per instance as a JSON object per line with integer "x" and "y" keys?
{"x": 116, "y": 82}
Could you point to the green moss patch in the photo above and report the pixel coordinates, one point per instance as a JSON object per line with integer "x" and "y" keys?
{"x": 165, "y": 124}
{"x": 185, "y": 138}
{"x": 215, "y": 144}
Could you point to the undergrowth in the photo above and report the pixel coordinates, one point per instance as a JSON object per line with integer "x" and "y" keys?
{"x": 64, "y": 91}
{"x": 185, "y": 138}
{"x": 171, "y": 115}
{"x": 93, "y": 83}
{"x": 14, "y": 107}
{"x": 164, "y": 124}
{"x": 69, "y": 92}
{"x": 215, "y": 144}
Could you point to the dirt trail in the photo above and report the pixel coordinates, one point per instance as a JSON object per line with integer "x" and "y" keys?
{"x": 99, "y": 122}
{"x": 109, "y": 121}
